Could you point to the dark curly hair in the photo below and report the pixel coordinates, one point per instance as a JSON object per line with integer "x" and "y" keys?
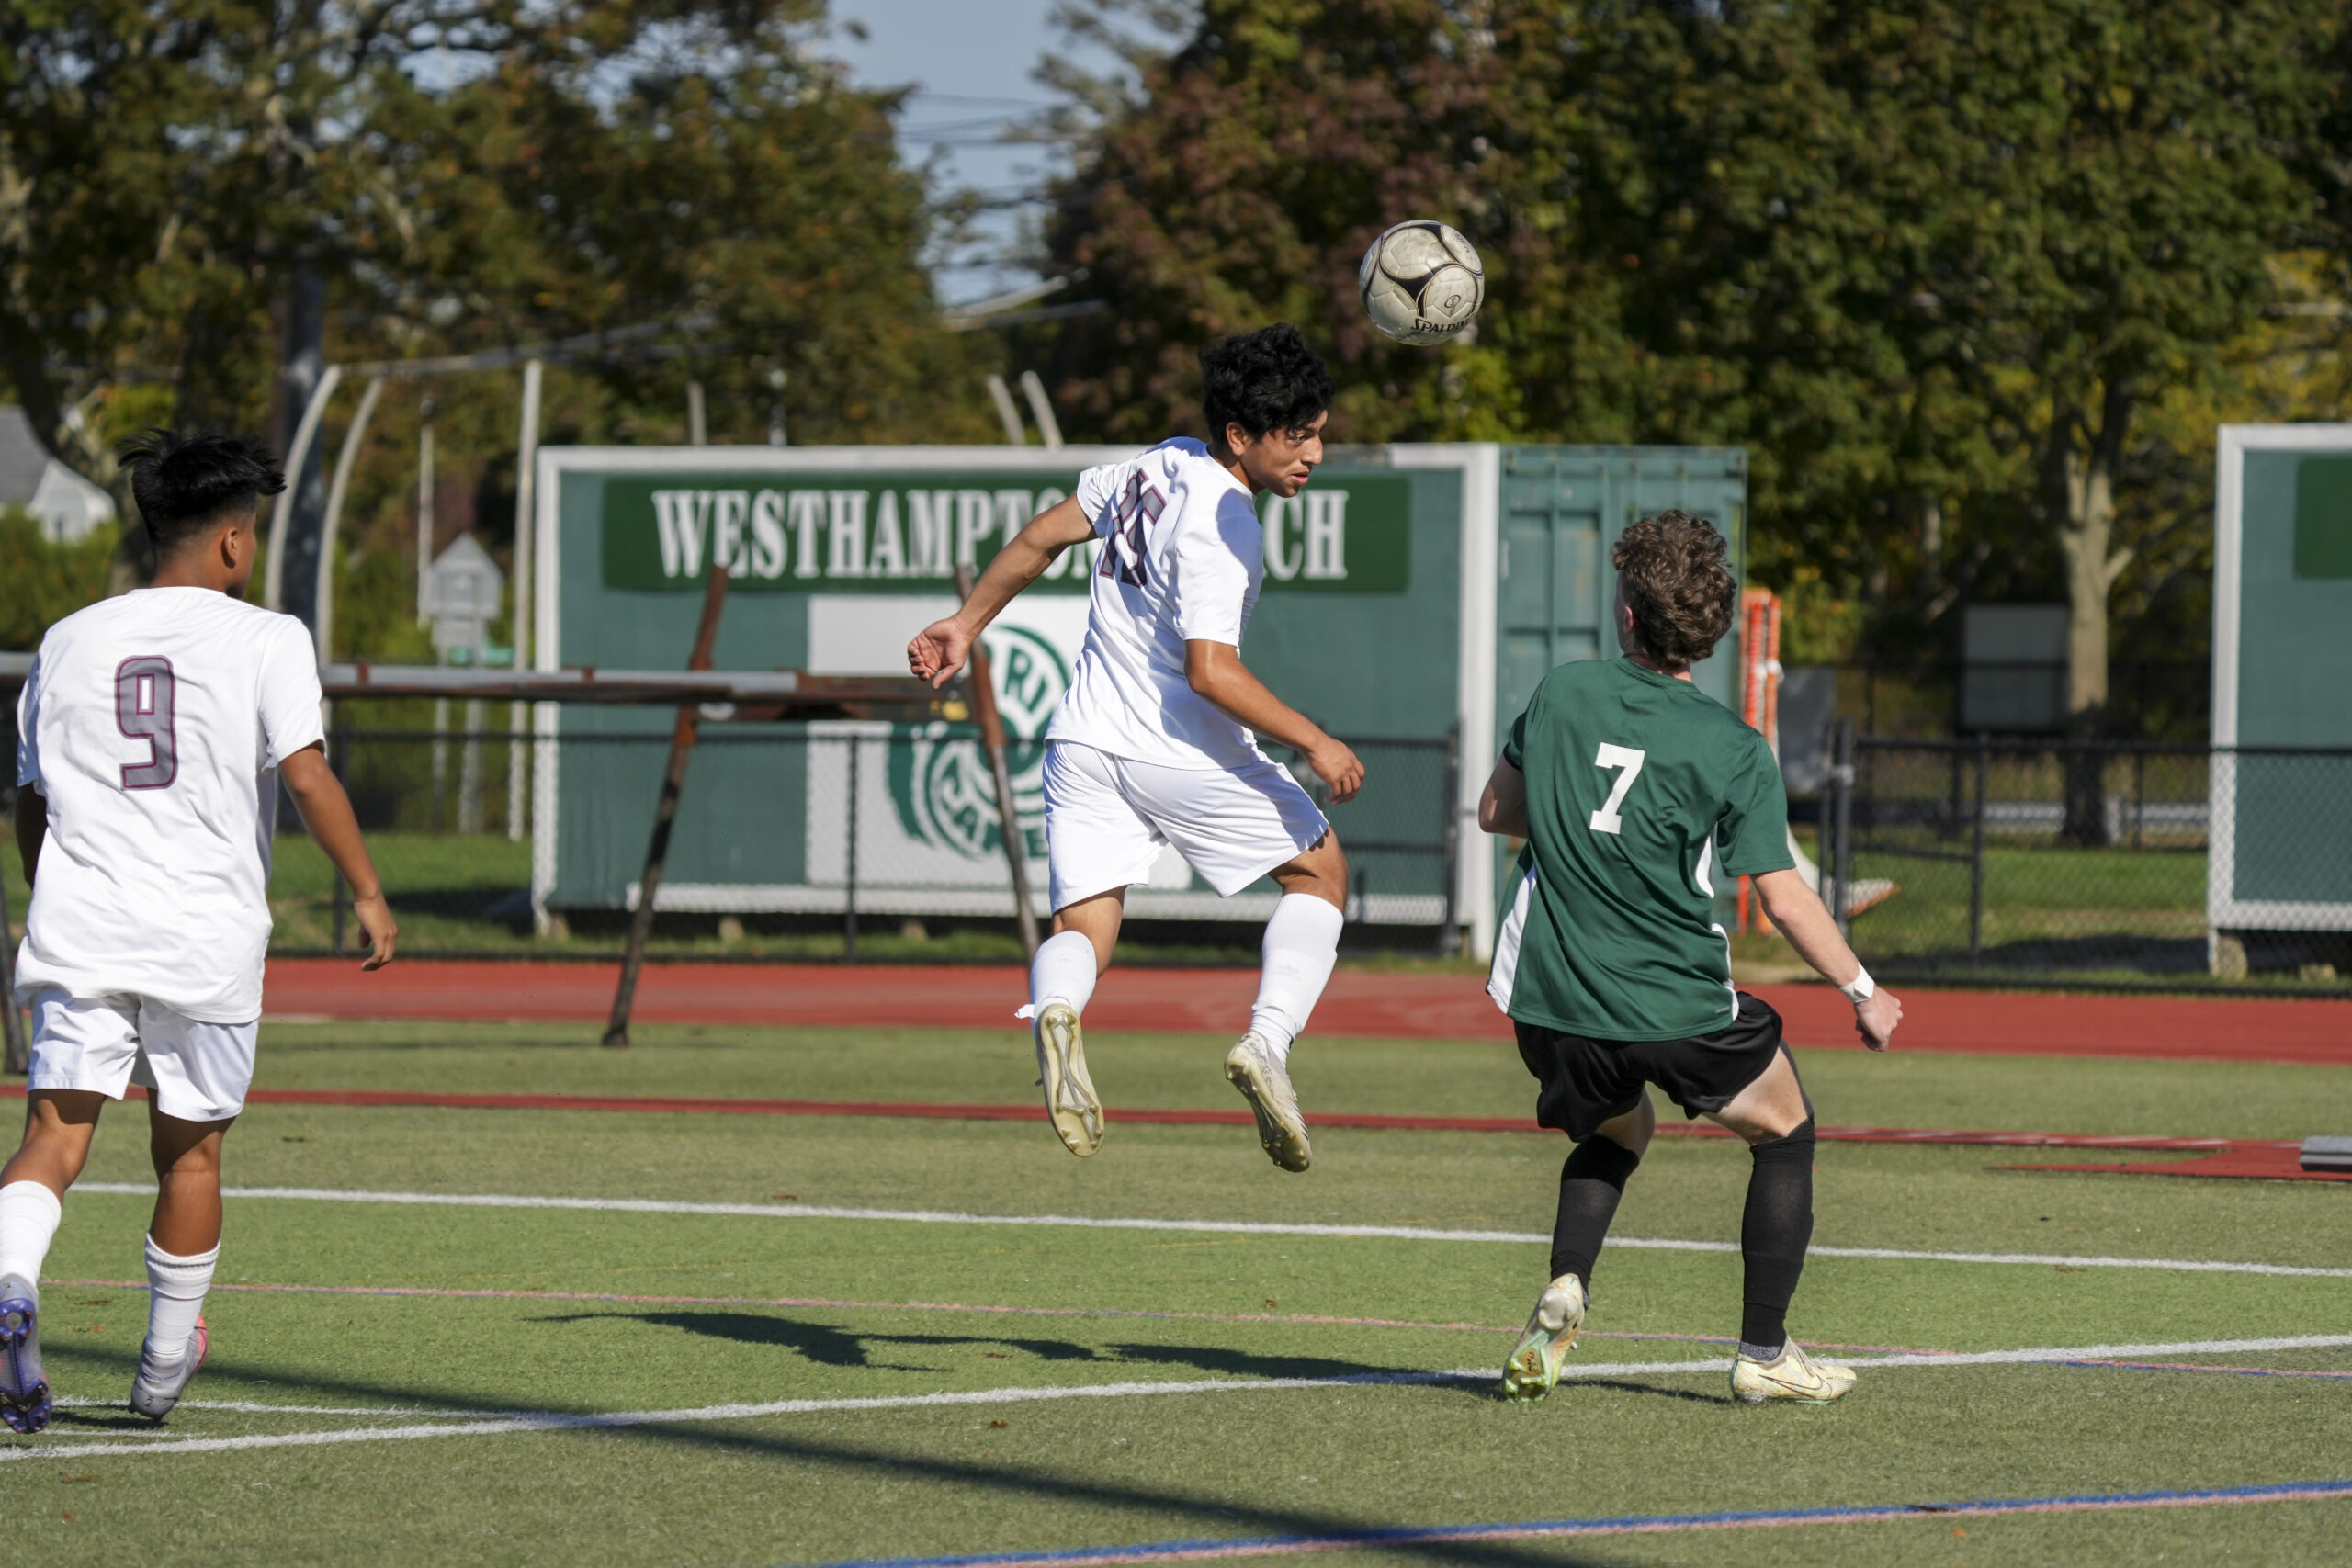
{"x": 1264, "y": 380}
{"x": 184, "y": 484}
{"x": 1674, "y": 571}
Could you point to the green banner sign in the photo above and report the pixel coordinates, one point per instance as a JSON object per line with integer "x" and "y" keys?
{"x": 851, "y": 532}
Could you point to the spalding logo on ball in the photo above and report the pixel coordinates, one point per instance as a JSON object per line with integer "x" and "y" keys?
{"x": 1421, "y": 282}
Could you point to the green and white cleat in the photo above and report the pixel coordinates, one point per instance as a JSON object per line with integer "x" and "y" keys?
{"x": 1252, "y": 1068}
{"x": 1793, "y": 1375}
{"x": 1061, "y": 1071}
{"x": 1551, "y": 1334}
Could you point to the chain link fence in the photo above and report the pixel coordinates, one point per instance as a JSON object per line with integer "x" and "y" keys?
{"x": 793, "y": 841}
{"x": 2097, "y": 862}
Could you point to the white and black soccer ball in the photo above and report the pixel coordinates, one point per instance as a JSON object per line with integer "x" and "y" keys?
{"x": 1421, "y": 282}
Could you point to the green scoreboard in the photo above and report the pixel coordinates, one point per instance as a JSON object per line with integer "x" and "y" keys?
{"x": 2282, "y": 840}
{"x": 1411, "y": 591}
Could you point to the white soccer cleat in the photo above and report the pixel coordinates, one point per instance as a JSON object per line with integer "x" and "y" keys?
{"x": 1551, "y": 1334}
{"x": 1793, "y": 1375}
{"x": 1252, "y": 1068}
{"x": 157, "y": 1388}
{"x": 1061, "y": 1071}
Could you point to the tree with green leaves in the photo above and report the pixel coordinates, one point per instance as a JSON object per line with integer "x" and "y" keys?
{"x": 198, "y": 202}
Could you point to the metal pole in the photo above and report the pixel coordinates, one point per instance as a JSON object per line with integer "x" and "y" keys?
{"x": 1040, "y": 408}
{"x": 12, "y": 1022}
{"x": 335, "y": 762}
{"x": 982, "y": 692}
{"x": 323, "y": 588}
{"x": 527, "y": 463}
{"x": 849, "y": 847}
{"x": 1976, "y": 856}
{"x": 697, "y": 432}
{"x": 424, "y": 482}
{"x": 1841, "y": 777}
{"x": 281, "y": 511}
{"x": 1449, "y": 935}
{"x": 665, "y": 812}
{"x": 1008, "y": 416}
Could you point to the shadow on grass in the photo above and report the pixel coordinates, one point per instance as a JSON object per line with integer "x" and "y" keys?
{"x": 832, "y": 1345}
{"x": 1226, "y": 1516}
{"x": 823, "y": 1343}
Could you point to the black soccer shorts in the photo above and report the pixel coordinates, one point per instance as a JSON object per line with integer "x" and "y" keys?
{"x": 1588, "y": 1081}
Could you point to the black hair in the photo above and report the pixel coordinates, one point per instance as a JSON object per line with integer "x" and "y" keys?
{"x": 1264, "y": 380}
{"x": 186, "y": 484}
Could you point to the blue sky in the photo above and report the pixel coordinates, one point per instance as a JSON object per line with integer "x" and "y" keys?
{"x": 970, "y": 60}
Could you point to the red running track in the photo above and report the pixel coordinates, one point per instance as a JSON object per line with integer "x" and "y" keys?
{"x": 1359, "y": 1004}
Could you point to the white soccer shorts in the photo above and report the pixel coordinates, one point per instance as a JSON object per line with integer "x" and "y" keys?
{"x": 197, "y": 1072}
{"x": 1107, "y": 817}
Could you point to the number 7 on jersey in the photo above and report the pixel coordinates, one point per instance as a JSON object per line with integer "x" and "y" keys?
{"x": 1629, "y": 762}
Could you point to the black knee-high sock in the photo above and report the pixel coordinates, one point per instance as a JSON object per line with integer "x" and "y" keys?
{"x": 1590, "y": 1183}
{"x": 1773, "y": 1234}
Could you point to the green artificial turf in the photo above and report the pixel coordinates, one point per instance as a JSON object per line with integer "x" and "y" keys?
{"x": 592, "y": 1310}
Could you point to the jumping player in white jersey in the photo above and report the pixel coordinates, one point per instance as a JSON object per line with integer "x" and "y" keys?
{"x": 155, "y": 730}
{"x": 1155, "y": 741}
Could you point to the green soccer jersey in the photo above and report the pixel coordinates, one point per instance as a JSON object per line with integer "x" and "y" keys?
{"x": 1644, "y": 797}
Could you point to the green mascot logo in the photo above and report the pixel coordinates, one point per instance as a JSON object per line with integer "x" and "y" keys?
{"x": 941, "y": 784}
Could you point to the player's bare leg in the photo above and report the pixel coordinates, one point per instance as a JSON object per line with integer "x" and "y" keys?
{"x": 1775, "y": 1118}
{"x": 183, "y": 1243}
{"x": 1591, "y": 1182}
{"x": 59, "y": 1124}
{"x": 1061, "y": 979}
{"x": 1302, "y": 944}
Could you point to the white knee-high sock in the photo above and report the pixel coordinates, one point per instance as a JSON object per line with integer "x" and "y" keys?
{"x": 1302, "y": 944}
{"x": 28, "y": 1216}
{"x": 1063, "y": 971}
{"x": 176, "y": 1288}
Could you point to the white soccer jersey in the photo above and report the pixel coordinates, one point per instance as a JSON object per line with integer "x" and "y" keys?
{"x": 153, "y": 725}
{"x": 1180, "y": 561}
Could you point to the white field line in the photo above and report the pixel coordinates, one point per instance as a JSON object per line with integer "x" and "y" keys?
{"x": 1224, "y": 1227}
{"x": 263, "y": 1407}
{"x": 557, "y": 1421}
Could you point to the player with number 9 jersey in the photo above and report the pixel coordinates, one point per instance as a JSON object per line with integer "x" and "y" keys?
{"x": 153, "y": 734}
{"x": 153, "y": 725}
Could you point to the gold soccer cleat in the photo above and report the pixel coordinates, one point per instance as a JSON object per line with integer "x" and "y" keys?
{"x": 1061, "y": 1070}
{"x": 1793, "y": 1375}
{"x": 1551, "y": 1334}
{"x": 1252, "y": 1068}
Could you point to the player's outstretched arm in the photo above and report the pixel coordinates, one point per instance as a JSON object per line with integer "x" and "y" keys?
{"x": 326, "y": 812}
{"x": 32, "y": 828}
{"x": 1215, "y": 671}
{"x": 938, "y": 650}
{"x": 1502, "y": 806}
{"x": 1805, "y": 921}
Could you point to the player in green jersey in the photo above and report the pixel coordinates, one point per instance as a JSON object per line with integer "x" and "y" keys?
{"x": 1638, "y": 796}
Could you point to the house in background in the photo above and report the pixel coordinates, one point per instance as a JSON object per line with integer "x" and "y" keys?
{"x": 68, "y": 505}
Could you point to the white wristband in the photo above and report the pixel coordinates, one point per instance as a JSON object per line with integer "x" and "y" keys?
{"x": 1860, "y": 988}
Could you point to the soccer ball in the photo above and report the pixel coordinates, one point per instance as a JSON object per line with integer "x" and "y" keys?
{"x": 1421, "y": 282}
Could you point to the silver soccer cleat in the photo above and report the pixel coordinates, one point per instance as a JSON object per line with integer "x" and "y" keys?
{"x": 156, "y": 1389}
{"x": 24, "y": 1386}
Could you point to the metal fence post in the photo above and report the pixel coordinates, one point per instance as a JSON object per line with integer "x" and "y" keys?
{"x": 12, "y": 1022}
{"x": 1841, "y": 780}
{"x": 849, "y": 882}
{"x": 337, "y": 741}
{"x": 1976, "y": 855}
{"x": 1448, "y": 931}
